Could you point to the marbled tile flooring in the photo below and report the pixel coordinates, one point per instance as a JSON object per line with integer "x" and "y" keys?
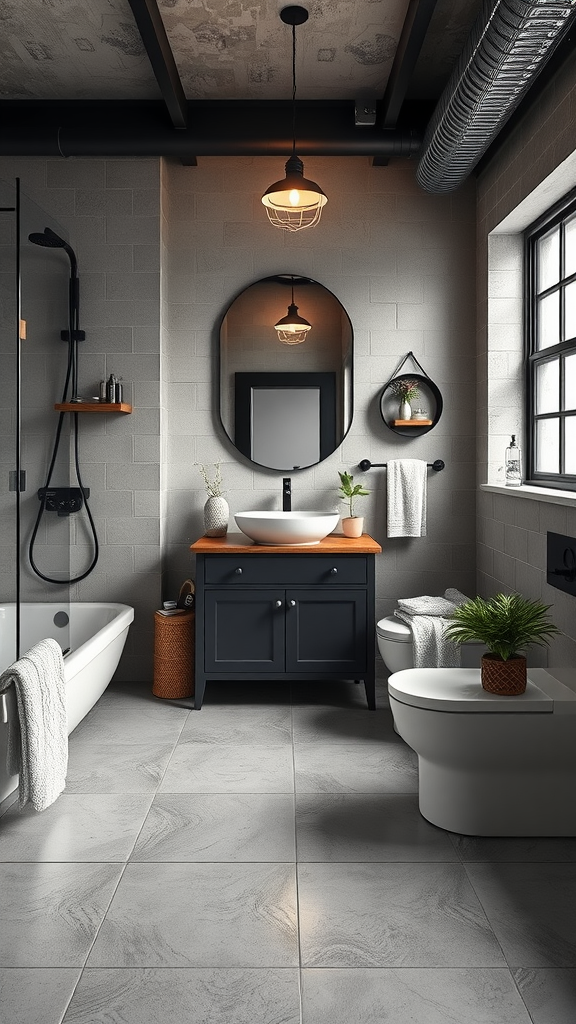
{"x": 263, "y": 861}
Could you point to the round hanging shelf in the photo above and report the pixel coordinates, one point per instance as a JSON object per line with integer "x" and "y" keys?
{"x": 429, "y": 401}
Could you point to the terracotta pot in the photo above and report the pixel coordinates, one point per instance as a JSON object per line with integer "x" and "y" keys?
{"x": 508, "y": 678}
{"x": 353, "y": 526}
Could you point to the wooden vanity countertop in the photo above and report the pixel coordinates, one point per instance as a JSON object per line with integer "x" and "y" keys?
{"x": 333, "y": 544}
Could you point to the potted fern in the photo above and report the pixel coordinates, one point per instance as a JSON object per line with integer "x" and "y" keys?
{"x": 352, "y": 525}
{"x": 506, "y": 624}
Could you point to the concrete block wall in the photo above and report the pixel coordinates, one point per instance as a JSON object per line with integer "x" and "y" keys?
{"x": 402, "y": 264}
{"x": 109, "y": 211}
{"x": 528, "y": 170}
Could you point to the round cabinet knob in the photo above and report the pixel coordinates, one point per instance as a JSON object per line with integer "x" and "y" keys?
{"x": 278, "y": 604}
{"x": 333, "y": 571}
{"x": 238, "y": 571}
{"x": 292, "y": 604}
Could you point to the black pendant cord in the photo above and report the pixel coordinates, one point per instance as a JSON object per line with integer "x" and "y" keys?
{"x": 293, "y": 92}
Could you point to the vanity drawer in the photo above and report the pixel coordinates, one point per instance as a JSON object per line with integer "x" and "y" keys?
{"x": 285, "y": 570}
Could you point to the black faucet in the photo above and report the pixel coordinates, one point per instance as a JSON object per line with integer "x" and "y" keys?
{"x": 286, "y": 494}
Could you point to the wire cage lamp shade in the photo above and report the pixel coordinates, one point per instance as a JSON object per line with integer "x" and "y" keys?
{"x": 294, "y": 202}
{"x": 292, "y": 328}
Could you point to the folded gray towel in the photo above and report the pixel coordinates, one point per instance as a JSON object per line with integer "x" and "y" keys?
{"x": 427, "y": 617}
{"x": 38, "y": 738}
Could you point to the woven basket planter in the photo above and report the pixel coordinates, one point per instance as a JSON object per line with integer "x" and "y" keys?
{"x": 508, "y": 678}
{"x": 173, "y": 655}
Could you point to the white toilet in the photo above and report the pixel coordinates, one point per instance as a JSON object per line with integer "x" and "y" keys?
{"x": 395, "y": 645}
{"x": 490, "y": 765}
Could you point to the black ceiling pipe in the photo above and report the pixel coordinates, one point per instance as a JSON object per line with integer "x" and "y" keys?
{"x": 215, "y": 128}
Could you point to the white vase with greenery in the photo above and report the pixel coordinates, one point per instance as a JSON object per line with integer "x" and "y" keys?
{"x": 216, "y": 510}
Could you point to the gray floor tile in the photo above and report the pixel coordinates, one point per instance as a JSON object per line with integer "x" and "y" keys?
{"x": 535, "y": 850}
{"x": 550, "y": 995}
{"x": 218, "y": 827}
{"x": 35, "y": 995}
{"x": 392, "y": 915}
{"x": 416, "y": 996}
{"x": 359, "y": 827}
{"x": 532, "y": 909}
{"x": 186, "y": 996}
{"x": 229, "y": 768}
{"x": 154, "y": 723}
{"x": 260, "y": 724}
{"x": 131, "y": 696}
{"x": 116, "y": 767}
{"x": 246, "y": 694}
{"x": 336, "y": 768}
{"x": 341, "y": 725}
{"x": 50, "y": 913}
{"x": 201, "y": 915}
{"x": 75, "y": 828}
{"x": 336, "y": 693}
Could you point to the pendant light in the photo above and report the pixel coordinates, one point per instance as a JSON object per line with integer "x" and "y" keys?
{"x": 292, "y": 328}
{"x": 295, "y": 202}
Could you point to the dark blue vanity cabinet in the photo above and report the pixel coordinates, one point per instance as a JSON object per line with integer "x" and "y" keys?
{"x": 298, "y": 613}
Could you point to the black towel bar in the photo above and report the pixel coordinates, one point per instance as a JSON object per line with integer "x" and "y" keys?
{"x": 365, "y": 465}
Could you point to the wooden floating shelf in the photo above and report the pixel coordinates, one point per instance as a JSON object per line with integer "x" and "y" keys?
{"x": 412, "y": 423}
{"x": 93, "y": 407}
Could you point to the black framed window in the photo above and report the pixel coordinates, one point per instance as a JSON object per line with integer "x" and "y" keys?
{"x": 550, "y": 308}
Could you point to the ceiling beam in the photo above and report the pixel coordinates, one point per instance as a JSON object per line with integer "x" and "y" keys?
{"x": 214, "y": 128}
{"x": 413, "y": 33}
{"x": 153, "y": 33}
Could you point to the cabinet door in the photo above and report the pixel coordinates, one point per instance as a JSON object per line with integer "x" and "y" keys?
{"x": 326, "y": 631}
{"x": 244, "y": 632}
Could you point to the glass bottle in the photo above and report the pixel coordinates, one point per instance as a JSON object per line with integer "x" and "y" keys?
{"x": 513, "y": 464}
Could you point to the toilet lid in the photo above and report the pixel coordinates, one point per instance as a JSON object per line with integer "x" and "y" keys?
{"x": 459, "y": 689}
{"x": 392, "y": 628}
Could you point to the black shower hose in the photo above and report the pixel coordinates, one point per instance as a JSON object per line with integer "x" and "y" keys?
{"x": 71, "y": 375}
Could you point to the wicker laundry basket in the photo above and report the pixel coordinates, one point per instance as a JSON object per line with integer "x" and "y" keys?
{"x": 173, "y": 655}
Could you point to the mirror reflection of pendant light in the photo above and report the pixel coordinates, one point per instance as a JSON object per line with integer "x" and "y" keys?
{"x": 295, "y": 202}
{"x": 292, "y": 328}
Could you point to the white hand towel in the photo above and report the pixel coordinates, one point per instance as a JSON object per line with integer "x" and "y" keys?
{"x": 38, "y": 739}
{"x": 406, "y": 494}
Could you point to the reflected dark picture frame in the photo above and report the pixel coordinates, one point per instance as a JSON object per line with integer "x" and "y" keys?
{"x": 246, "y": 383}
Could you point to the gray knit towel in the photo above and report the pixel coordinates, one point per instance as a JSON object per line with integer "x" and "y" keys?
{"x": 38, "y": 737}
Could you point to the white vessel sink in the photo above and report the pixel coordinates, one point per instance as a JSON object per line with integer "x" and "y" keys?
{"x": 286, "y": 527}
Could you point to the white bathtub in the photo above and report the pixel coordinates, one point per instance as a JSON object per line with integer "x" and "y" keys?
{"x": 96, "y": 634}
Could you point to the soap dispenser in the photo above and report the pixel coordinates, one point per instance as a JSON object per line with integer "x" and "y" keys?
{"x": 513, "y": 464}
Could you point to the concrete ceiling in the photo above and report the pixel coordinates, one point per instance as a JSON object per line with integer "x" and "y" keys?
{"x": 223, "y": 50}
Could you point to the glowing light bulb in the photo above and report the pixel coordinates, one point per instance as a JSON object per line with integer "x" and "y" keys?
{"x": 294, "y": 197}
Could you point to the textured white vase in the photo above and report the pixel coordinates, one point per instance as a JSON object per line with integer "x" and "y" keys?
{"x": 216, "y": 513}
{"x": 405, "y": 411}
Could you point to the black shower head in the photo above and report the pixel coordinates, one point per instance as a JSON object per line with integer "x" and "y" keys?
{"x": 50, "y": 240}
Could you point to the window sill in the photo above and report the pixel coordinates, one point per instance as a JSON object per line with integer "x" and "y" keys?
{"x": 546, "y": 494}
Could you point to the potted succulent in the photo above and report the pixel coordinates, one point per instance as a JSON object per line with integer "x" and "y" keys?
{"x": 352, "y": 525}
{"x": 406, "y": 390}
{"x": 216, "y": 511}
{"x": 506, "y": 624}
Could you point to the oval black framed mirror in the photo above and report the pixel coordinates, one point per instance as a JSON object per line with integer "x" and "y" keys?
{"x": 286, "y": 390}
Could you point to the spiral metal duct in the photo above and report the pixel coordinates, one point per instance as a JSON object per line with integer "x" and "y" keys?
{"x": 507, "y": 48}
